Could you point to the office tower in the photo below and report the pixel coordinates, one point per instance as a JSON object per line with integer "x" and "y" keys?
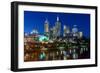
{"x": 51, "y": 33}
{"x": 75, "y": 31}
{"x": 46, "y": 26}
{"x": 54, "y": 33}
{"x": 80, "y": 34}
{"x": 58, "y": 27}
{"x": 65, "y": 30}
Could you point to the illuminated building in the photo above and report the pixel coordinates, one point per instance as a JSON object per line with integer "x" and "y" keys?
{"x": 54, "y": 33}
{"x": 51, "y": 45}
{"x": 58, "y": 27}
{"x": 51, "y": 33}
{"x": 75, "y": 31}
{"x": 46, "y": 26}
{"x": 43, "y": 38}
{"x": 65, "y": 30}
{"x": 34, "y": 32}
{"x": 80, "y": 34}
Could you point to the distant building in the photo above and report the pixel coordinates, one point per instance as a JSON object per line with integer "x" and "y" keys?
{"x": 54, "y": 33}
{"x": 80, "y": 34}
{"x": 51, "y": 33}
{"x": 34, "y": 32}
{"x": 75, "y": 31}
{"x": 46, "y": 26}
{"x": 65, "y": 30}
{"x": 58, "y": 27}
{"x": 25, "y": 34}
{"x": 32, "y": 37}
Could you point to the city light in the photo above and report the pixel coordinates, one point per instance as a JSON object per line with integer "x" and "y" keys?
{"x": 52, "y": 45}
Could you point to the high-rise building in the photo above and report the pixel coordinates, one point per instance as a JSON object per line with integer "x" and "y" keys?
{"x": 58, "y": 27}
{"x": 75, "y": 31}
{"x": 54, "y": 32}
{"x": 46, "y": 26}
{"x": 51, "y": 33}
{"x": 80, "y": 34}
{"x": 66, "y": 30}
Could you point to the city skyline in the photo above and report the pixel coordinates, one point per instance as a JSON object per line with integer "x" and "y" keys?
{"x": 56, "y": 36}
{"x": 36, "y": 20}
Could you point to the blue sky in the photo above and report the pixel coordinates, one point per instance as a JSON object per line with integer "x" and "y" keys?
{"x": 35, "y": 20}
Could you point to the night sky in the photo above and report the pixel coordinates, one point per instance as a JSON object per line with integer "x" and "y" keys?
{"x": 35, "y": 20}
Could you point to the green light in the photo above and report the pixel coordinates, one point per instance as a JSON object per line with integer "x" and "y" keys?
{"x": 42, "y": 55}
{"x": 43, "y": 38}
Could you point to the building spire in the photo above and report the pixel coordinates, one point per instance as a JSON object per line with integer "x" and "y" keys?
{"x": 57, "y": 18}
{"x": 46, "y": 21}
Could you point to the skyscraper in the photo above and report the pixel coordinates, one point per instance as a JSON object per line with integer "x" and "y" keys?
{"x": 58, "y": 27}
{"x": 46, "y": 26}
{"x": 51, "y": 33}
{"x": 65, "y": 30}
{"x": 75, "y": 31}
{"x": 54, "y": 32}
